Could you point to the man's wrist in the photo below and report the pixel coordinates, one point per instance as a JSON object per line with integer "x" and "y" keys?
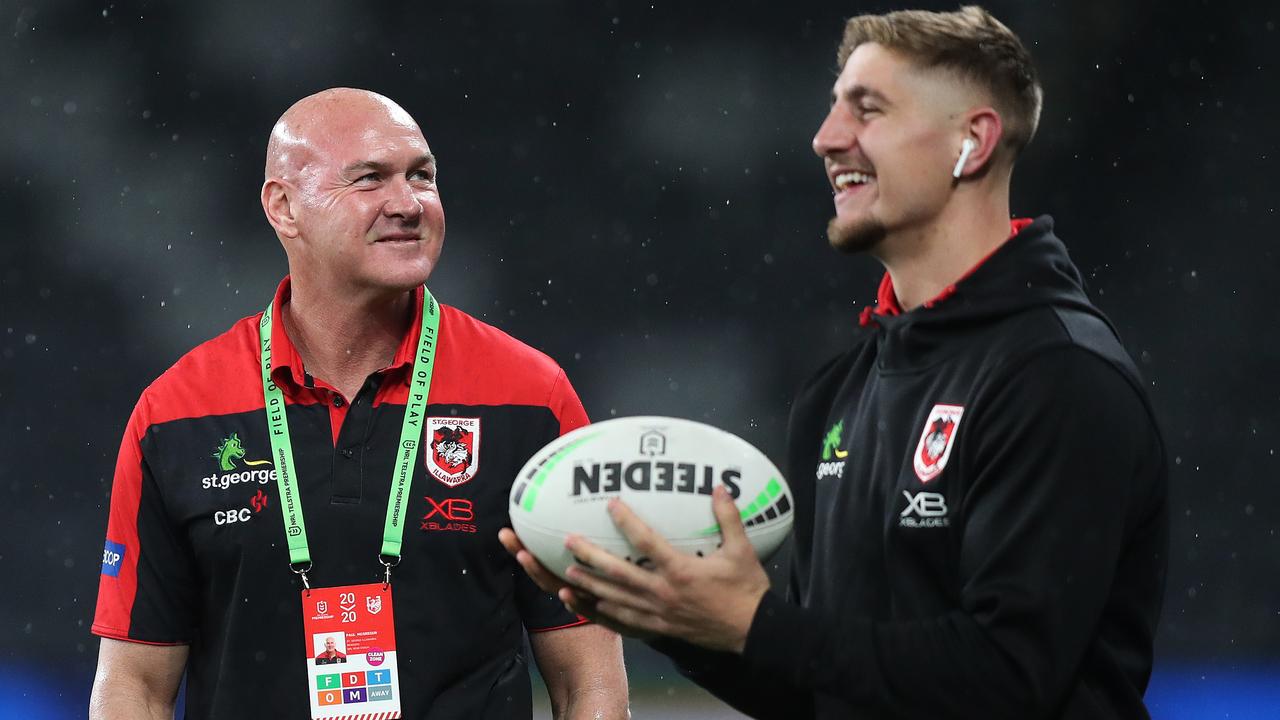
{"x": 742, "y": 624}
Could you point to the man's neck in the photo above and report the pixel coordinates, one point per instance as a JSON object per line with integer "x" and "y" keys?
{"x": 924, "y": 261}
{"x": 343, "y": 338}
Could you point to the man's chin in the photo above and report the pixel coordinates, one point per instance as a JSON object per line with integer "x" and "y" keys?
{"x": 402, "y": 276}
{"x": 855, "y": 237}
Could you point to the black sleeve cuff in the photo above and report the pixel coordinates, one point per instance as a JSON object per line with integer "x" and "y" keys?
{"x": 810, "y": 653}
{"x": 775, "y": 641}
{"x": 753, "y": 691}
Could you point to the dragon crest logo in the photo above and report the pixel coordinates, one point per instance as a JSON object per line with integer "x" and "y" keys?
{"x": 937, "y": 440}
{"x": 455, "y": 449}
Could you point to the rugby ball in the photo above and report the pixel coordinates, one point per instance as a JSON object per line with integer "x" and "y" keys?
{"x": 664, "y": 469}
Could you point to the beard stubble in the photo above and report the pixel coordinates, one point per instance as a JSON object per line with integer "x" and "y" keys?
{"x": 858, "y": 237}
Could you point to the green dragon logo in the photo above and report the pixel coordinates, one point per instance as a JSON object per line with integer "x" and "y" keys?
{"x": 830, "y": 444}
{"x": 230, "y": 451}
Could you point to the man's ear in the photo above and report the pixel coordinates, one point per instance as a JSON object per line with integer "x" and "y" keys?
{"x": 278, "y": 199}
{"x": 984, "y": 129}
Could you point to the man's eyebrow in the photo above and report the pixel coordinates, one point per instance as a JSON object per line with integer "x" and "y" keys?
{"x": 856, "y": 93}
{"x": 362, "y": 166}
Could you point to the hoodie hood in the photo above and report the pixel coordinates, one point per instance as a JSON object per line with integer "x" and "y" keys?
{"x": 1029, "y": 270}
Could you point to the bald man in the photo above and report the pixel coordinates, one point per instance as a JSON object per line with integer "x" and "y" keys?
{"x": 355, "y": 401}
{"x": 331, "y": 653}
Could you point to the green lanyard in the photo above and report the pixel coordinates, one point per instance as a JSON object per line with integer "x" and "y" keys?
{"x": 295, "y": 528}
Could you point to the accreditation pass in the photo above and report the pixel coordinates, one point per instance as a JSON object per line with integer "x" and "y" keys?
{"x": 351, "y": 652}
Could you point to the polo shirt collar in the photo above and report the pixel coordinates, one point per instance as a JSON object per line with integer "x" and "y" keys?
{"x": 287, "y": 363}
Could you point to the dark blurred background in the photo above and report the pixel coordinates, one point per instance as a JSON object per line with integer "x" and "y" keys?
{"x": 630, "y": 188}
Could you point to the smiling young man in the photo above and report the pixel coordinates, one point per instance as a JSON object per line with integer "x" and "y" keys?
{"x": 981, "y": 516}
{"x": 354, "y": 401}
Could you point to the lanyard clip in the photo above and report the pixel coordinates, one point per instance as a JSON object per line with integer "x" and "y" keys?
{"x": 386, "y": 577}
{"x": 302, "y": 573}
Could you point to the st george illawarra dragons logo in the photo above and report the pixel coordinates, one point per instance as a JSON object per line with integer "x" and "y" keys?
{"x": 454, "y": 449}
{"x": 936, "y": 441}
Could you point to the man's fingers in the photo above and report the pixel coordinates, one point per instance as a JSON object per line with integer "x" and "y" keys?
{"x": 577, "y": 601}
{"x": 606, "y": 564}
{"x": 605, "y": 589}
{"x": 730, "y": 519}
{"x": 508, "y": 538}
{"x": 641, "y": 536}
{"x": 580, "y": 602}
{"x": 638, "y": 623}
{"x": 541, "y": 576}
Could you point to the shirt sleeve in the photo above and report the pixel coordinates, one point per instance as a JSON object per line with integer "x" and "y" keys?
{"x": 566, "y": 406}
{"x": 145, "y": 592}
{"x": 540, "y": 611}
{"x": 1069, "y": 478}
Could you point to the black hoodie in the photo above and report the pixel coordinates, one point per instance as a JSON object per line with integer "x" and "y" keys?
{"x": 981, "y": 514}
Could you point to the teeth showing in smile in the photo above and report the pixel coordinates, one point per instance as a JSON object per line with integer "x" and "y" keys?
{"x": 844, "y": 180}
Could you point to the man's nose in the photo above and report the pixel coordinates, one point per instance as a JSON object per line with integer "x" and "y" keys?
{"x": 836, "y": 133}
{"x": 403, "y": 201}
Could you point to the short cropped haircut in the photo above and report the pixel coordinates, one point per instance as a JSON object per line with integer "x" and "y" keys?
{"x": 970, "y": 43}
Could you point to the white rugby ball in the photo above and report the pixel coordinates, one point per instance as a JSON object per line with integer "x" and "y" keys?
{"x": 664, "y": 469}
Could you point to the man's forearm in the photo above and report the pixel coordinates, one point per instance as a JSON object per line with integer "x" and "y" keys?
{"x": 584, "y": 672}
{"x": 127, "y": 702}
{"x": 594, "y": 697}
{"x": 594, "y": 703}
{"x": 136, "y": 681}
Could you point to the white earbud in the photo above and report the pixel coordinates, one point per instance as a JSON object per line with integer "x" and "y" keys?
{"x": 966, "y": 148}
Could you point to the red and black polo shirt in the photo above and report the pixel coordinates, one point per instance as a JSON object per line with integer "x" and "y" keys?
{"x": 196, "y": 554}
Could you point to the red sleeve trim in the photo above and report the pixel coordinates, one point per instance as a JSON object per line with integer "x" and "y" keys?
{"x": 113, "y": 634}
{"x": 116, "y": 593}
{"x": 581, "y": 621}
